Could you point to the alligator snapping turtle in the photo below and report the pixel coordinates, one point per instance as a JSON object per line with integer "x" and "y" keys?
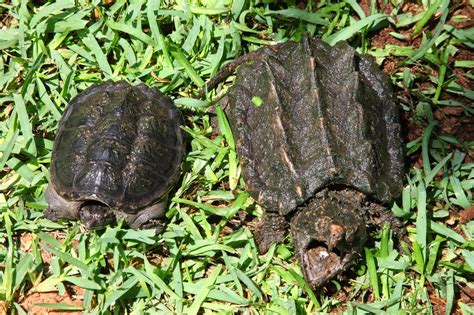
{"x": 116, "y": 154}
{"x": 322, "y": 153}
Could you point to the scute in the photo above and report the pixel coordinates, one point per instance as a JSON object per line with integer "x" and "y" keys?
{"x": 328, "y": 117}
{"x": 110, "y": 146}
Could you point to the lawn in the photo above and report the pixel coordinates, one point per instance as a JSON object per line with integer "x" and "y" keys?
{"x": 206, "y": 261}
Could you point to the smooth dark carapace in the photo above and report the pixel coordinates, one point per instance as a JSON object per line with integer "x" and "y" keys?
{"x": 116, "y": 154}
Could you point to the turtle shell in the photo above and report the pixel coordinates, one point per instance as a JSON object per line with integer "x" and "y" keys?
{"x": 327, "y": 116}
{"x": 118, "y": 144}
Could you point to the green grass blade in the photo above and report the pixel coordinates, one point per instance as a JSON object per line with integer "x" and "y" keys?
{"x": 450, "y": 292}
{"x": 421, "y": 220}
{"x": 249, "y": 284}
{"x": 432, "y": 173}
{"x": 461, "y": 199}
{"x": 224, "y": 127}
{"x": 101, "y": 59}
{"x": 84, "y": 268}
{"x": 11, "y": 138}
{"x": 206, "y": 287}
{"x": 50, "y": 9}
{"x": 419, "y": 257}
{"x": 294, "y": 13}
{"x": 428, "y": 44}
{"x": 425, "y": 147}
{"x": 25, "y": 125}
{"x": 349, "y": 31}
{"x": 302, "y": 283}
{"x": 122, "y": 27}
{"x": 83, "y": 283}
{"x": 469, "y": 257}
{"x": 158, "y": 281}
{"x": 191, "y": 102}
{"x": 426, "y": 17}
{"x": 443, "y": 230}
{"x": 193, "y": 75}
{"x": 61, "y": 307}
{"x": 384, "y": 242}
{"x": 372, "y": 270}
{"x": 433, "y": 254}
{"x": 178, "y": 287}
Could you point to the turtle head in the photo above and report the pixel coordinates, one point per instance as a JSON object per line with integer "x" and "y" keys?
{"x": 327, "y": 236}
{"x": 95, "y": 214}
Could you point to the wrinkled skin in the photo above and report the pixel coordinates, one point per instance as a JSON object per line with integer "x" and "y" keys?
{"x": 325, "y": 139}
{"x": 116, "y": 155}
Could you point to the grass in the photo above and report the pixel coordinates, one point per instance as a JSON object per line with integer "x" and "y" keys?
{"x": 206, "y": 261}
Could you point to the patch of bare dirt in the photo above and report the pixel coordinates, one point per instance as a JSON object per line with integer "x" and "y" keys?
{"x": 465, "y": 216}
{"x": 6, "y": 20}
{"x": 365, "y": 5}
{"x": 73, "y": 297}
{"x": 460, "y": 73}
{"x": 380, "y": 5}
{"x": 463, "y": 16}
{"x": 466, "y": 294}
{"x": 31, "y": 300}
{"x": 453, "y": 121}
{"x": 384, "y": 38}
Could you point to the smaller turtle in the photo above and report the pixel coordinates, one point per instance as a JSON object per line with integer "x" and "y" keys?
{"x": 322, "y": 153}
{"x": 117, "y": 154}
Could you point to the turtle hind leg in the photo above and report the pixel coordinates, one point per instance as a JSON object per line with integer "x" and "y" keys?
{"x": 271, "y": 229}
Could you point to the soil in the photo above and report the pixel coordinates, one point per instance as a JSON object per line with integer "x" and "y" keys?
{"x": 452, "y": 120}
{"x": 73, "y": 297}
{"x": 465, "y": 14}
{"x": 30, "y": 300}
{"x": 466, "y": 215}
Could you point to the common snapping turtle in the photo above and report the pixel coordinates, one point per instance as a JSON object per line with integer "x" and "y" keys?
{"x": 117, "y": 154}
{"x": 319, "y": 138}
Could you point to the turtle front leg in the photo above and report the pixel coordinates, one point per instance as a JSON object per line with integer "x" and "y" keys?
{"x": 377, "y": 216}
{"x": 148, "y": 218}
{"x": 60, "y": 208}
{"x": 271, "y": 229}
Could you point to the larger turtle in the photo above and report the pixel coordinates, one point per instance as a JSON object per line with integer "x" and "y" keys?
{"x": 117, "y": 154}
{"x": 318, "y": 135}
